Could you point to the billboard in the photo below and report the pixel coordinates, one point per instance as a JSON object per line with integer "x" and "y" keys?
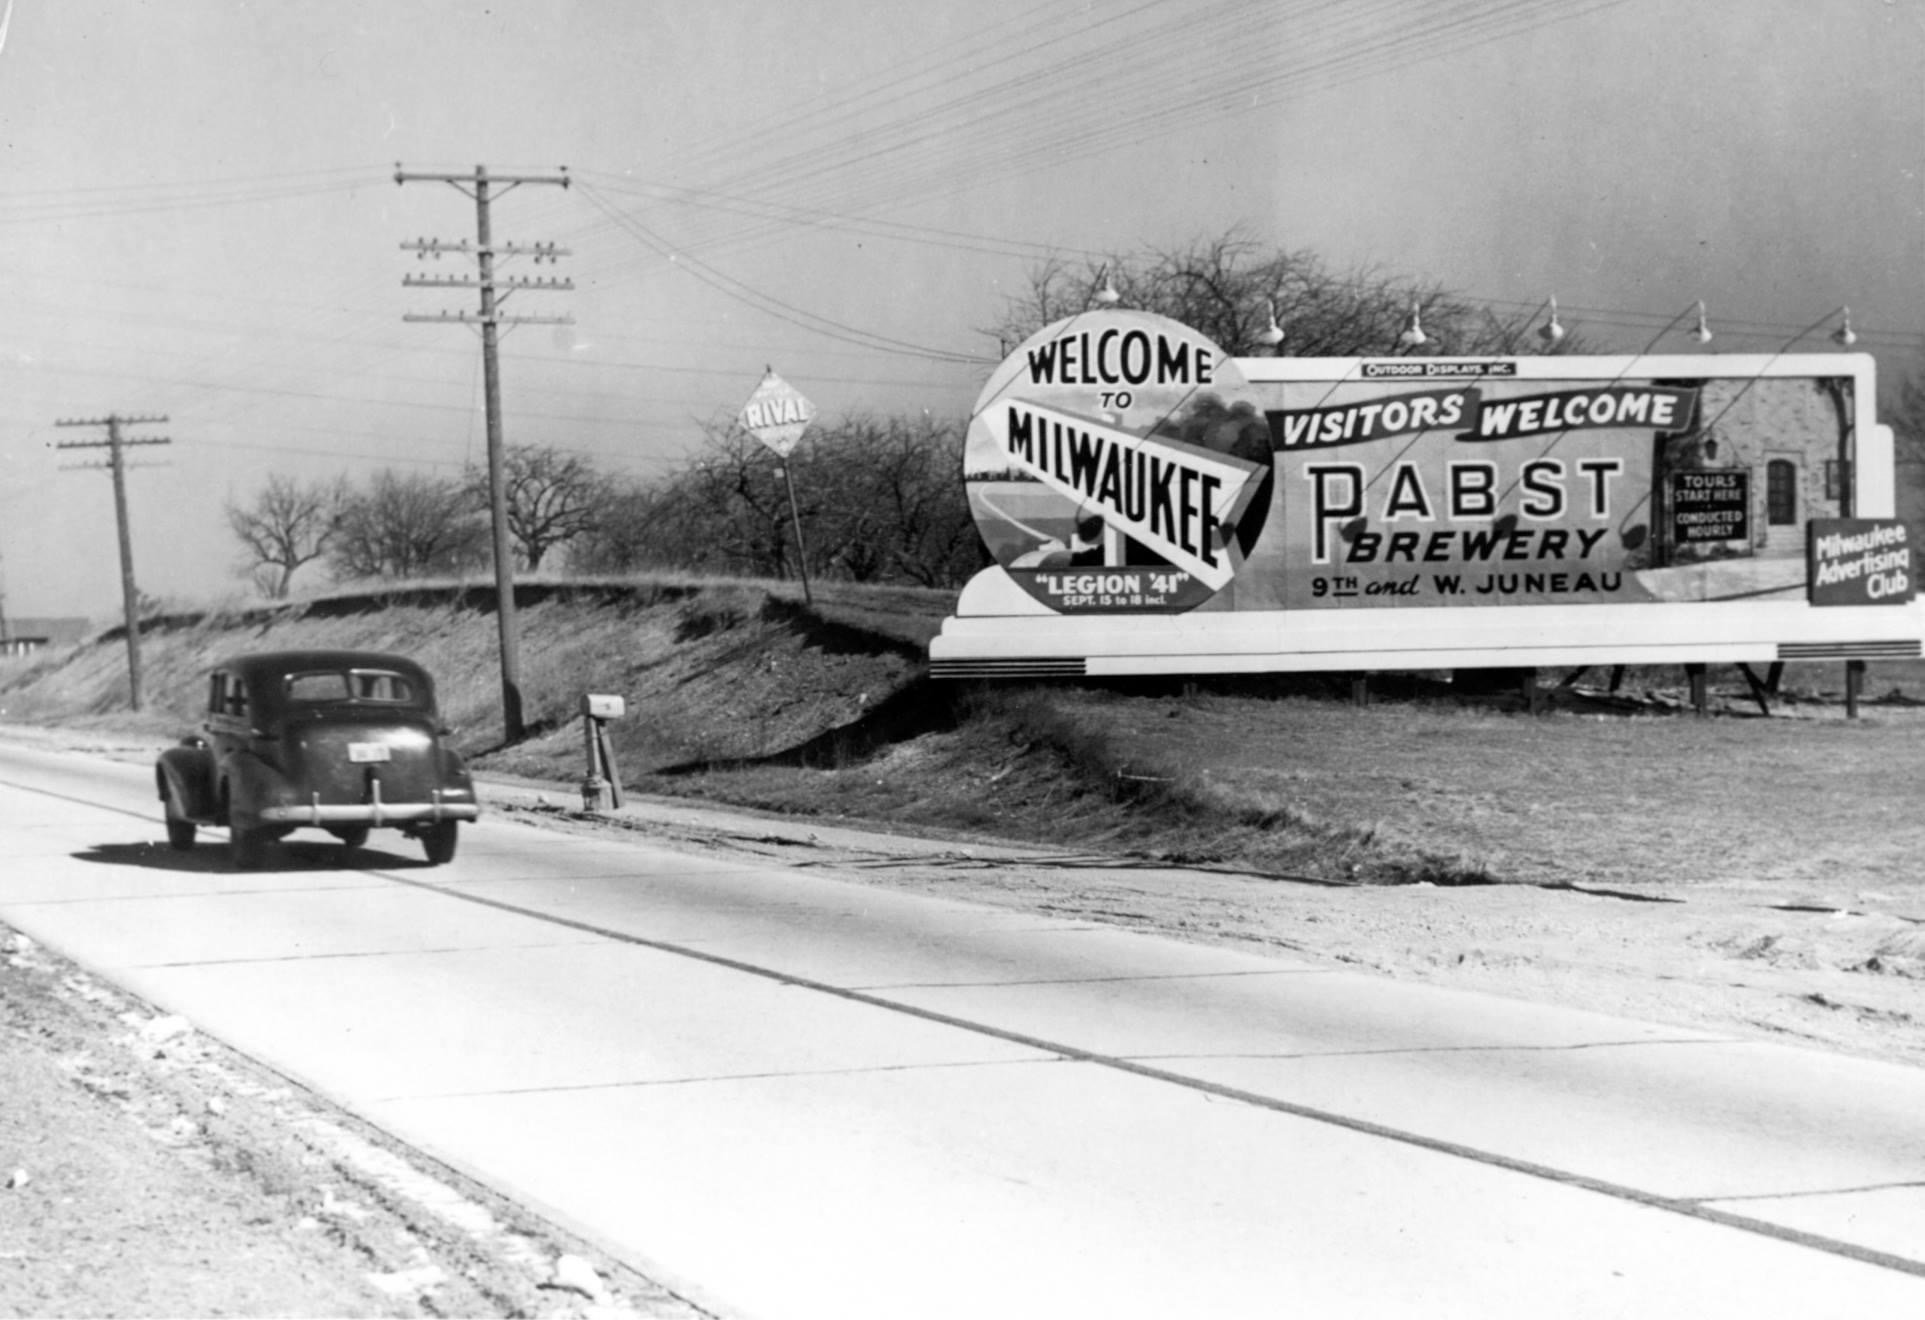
{"x": 1153, "y": 505}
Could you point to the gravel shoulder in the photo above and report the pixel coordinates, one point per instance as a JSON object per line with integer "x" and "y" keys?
{"x": 147, "y": 1170}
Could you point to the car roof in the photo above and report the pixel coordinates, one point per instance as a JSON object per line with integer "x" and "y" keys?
{"x": 284, "y": 662}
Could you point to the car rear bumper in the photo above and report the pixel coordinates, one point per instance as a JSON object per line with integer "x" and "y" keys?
{"x": 377, "y": 812}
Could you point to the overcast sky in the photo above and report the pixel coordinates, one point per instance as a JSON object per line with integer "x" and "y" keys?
{"x": 199, "y": 219}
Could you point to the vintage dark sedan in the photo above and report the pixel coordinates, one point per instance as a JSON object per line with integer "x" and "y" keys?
{"x": 345, "y": 741}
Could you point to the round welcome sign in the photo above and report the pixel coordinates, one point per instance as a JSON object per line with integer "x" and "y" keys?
{"x": 1115, "y": 463}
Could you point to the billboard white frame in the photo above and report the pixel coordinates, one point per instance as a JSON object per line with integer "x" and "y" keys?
{"x": 999, "y": 629}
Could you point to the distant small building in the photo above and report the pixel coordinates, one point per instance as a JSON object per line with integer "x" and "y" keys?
{"x": 25, "y": 635}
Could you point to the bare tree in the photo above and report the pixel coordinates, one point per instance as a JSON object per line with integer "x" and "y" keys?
{"x": 723, "y": 511}
{"x": 894, "y": 505}
{"x": 732, "y": 512}
{"x": 289, "y": 524}
{"x": 880, "y": 499}
{"x": 1226, "y": 287}
{"x": 552, "y": 497}
{"x": 628, "y": 530}
{"x": 404, "y": 526}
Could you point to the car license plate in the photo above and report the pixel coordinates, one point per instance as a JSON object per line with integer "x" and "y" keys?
{"x": 363, "y": 753}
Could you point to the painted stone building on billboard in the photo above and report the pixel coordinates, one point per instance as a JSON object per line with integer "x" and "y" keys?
{"x": 1790, "y": 441}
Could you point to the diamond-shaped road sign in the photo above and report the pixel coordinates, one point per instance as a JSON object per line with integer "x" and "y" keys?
{"x": 777, "y": 414}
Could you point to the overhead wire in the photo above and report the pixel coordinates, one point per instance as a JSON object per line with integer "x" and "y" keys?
{"x": 15, "y": 211}
{"x": 1020, "y": 108}
{"x": 768, "y": 303}
{"x": 1094, "y": 45}
{"x": 802, "y": 217}
{"x": 933, "y": 156}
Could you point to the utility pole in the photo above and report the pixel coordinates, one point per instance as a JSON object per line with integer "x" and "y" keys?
{"x": 6, "y": 634}
{"x": 115, "y": 444}
{"x": 493, "y": 292}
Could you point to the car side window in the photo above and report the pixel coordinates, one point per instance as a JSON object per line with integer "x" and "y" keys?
{"x": 226, "y": 695}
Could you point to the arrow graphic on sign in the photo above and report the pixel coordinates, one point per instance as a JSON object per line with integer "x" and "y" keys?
{"x": 1180, "y": 500}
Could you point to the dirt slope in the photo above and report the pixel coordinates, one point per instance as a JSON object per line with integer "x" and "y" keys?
{"x": 713, "y": 671}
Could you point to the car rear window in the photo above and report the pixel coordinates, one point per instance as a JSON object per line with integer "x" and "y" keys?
{"x": 370, "y": 685}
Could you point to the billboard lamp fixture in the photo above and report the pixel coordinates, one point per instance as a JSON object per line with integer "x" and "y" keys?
{"x": 1844, "y": 336}
{"x": 1551, "y": 331}
{"x": 1272, "y": 334}
{"x": 1413, "y": 335}
{"x": 1107, "y": 295}
{"x": 1703, "y": 331}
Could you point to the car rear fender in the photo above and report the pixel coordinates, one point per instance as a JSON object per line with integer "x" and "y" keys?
{"x": 184, "y": 777}
{"x": 248, "y": 784}
{"x": 454, "y": 770}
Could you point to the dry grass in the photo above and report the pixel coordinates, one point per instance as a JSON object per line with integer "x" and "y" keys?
{"x": 1427, "y": 790}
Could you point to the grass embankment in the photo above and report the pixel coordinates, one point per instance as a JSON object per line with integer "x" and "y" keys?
{"x": 1405, "y": 791}
{"x": 738, "y": 694}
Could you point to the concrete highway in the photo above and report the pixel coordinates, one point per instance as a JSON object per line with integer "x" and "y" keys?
{"x": 790, "y": 1095}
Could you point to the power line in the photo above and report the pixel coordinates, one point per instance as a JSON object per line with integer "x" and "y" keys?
{"x": 710, "y": 199}
{"x": 784, "y": 311}
{"x": 1043, "y": 114}
{"x": 90, "y": 210}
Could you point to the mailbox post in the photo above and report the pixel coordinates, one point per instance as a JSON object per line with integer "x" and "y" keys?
{"x": 602, "y": 776}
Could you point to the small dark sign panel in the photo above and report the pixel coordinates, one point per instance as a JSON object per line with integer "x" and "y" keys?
{"x": 1710, "y": 506}
{"x": 1860, "y": 561}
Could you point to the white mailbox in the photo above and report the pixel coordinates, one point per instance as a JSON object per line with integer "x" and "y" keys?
{"x": 600, "y": 706}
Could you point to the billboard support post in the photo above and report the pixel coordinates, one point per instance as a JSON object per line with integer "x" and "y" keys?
{"x": 1700, "y": 689}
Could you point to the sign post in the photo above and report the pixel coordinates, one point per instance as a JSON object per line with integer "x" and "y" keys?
{"x": 777, "y": 414}
{"x": 597, "y": 710}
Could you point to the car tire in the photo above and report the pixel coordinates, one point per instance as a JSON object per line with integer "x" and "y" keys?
{"x": 438, "y": 841}
{"x": 180, "y": 833}
{"x": 352, "y": 836}
{"x": 246, "y": 846}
